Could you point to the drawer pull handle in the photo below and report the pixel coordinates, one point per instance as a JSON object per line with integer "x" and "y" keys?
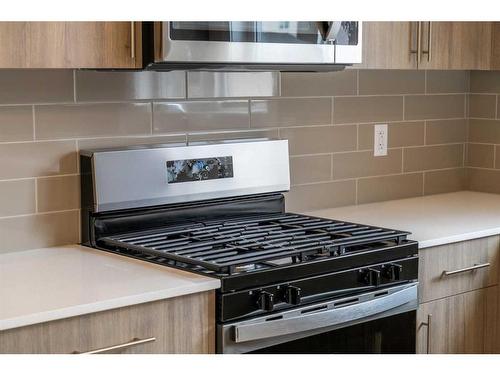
{"x": 133, "y": 342}
{"x": 428, "y": 324}
{"x": 467, "y": 269}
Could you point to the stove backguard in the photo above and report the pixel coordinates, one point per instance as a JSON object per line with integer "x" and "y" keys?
{"x": 139, "y": 177}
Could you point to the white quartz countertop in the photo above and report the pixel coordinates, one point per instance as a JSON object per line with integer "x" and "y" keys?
{"x": 433, "y": 220}
{"x": 54, "y": 283}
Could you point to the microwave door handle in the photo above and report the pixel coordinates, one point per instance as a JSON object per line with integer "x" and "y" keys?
{"x": 324, "y": 29}
{"x": 330, "y": 37}
{"x": 334, "y": 316}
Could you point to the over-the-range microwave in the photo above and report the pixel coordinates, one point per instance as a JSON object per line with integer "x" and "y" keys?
{"x": 285, "y": 45}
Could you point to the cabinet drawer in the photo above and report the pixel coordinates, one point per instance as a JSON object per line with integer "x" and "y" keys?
{"x": 450, "y": 269}
{"x": 183, "y": 324}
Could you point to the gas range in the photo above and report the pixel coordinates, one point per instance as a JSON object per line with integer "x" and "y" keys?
{"x": 218, "y": 210}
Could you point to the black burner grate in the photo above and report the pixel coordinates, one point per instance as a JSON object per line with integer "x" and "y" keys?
{"x": 228, "y": 246}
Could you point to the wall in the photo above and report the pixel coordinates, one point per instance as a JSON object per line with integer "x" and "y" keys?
{"x": 47, "y": 116}
{"x": 483, "y": 153}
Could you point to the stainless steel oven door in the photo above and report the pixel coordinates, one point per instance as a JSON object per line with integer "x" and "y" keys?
{"x": 253, "y": 334}
{"x": 268, "y": 43}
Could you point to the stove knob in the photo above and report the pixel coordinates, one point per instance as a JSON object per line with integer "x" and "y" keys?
{"x": 370, "y": 276}
{"x": 266, "y": 301}
{"x": 393, "y": 272}
{"x": 292, "y": 295}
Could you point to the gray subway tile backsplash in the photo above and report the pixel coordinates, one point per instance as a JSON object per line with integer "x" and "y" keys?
{"x": 28, "y": 86}
{"x": 232, "y": 84}
{"x": 33, "y": 159}
{"x": 286, "y": 112}
{"x": 357, "y": 109}
{"x": 96, "y": 86}
{"x": 319, "y": 84}
{"x": 328, "y": 124}
{"x": 92, "y": 120}
{"x": 16, "y": 123}
{"x": 390, "y": 82}
{"x": 189, "y": 116}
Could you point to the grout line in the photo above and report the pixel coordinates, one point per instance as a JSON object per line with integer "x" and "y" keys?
{"x": 357, "y": 82}
{"x": 186, "y": 94}
{"x": 331, "y": 167}
{"x": 379, "y": 176}
{"x": 494, "y": 156}
{"x": 211, "y": 99}
{"x": 356, "y": 191}
{"x": 17, "y": 179}
{"x": 484, "y": 168}
{"x": 79, "y": 223}
{"x": 496, "y": 106}
{"x": 425, "y": 81}
{"x": 357, "y": 136}
{"x": 36, "y": 195}
{"x": 74, "y": 85}
{"x": 482, "y": 118}
{"x": 404, "y": 107}
{"x": 423, "y": 182}
{"x": 465, "y": 150}
{"x": 39, "y": 213}
{"x": 425, "y": 132}
{"x": 77, "y": 157}
{"x": 34, "y": 121}
{"x": 483, "y": 143}
{"x": 402, "y": 160}
{"x": 332, "y": 113}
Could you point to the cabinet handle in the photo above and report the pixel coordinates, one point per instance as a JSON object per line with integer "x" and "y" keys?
{"x": 133, "y": 342}
{"x": 467, "y": 269}
{"x": 429, "y": 43}
{"x": 412, "y": 34}
{"x": 132, "y": 40}
{"x": 419, "y": 42}
{"x": 428, "y": 324}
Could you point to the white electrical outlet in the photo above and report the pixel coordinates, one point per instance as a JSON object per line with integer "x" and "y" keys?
{"x": 380, "y": 140}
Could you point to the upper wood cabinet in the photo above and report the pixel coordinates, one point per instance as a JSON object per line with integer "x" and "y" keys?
{"x": 455, "y": 45}
{"x": 70, "y": 45}
{"x": 430, "y": 45}
{"x": 390, "y": 45}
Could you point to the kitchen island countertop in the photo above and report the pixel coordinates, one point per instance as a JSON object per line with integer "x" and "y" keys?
{"x": 433, "y": 220}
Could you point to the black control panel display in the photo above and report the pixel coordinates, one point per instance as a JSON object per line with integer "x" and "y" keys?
{"x": 189, "y": 170}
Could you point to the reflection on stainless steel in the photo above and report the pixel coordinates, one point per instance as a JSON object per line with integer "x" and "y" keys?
{"x": 245, "y": 267}
{"x": 287, "y": 49}
{"x": 140, "y": 175}
{"x": 130, "y": 85}
{"x": 197, "y": 115}
{"x": 232, "y": 84}
{"x": 252, "y": 334}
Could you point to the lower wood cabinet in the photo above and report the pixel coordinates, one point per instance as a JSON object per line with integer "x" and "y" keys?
{"x": 183, "y": 324}
{"x": 459, "y": 311}
{"x": 465, "y": 323}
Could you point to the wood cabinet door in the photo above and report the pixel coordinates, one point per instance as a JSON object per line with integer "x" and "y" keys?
{"x": 460, "y": 256}
{"x": 455, "y": 45}
{"x": 389, "y": 45}
{"x": 492, "y": 321}
{"x": 70, "y": 45}
{"x": 184, "y": 324}
{"x": 457, "y": 324}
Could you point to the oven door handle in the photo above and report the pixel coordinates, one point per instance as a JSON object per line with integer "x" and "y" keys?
{"x": 330, "y": 314}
